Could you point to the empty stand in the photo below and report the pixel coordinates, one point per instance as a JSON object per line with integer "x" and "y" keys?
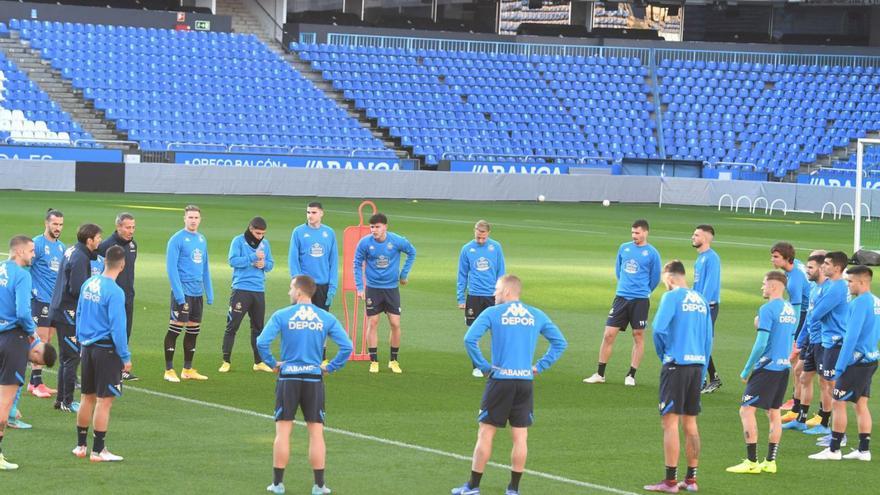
{"x": 451, "y": 104}
{"x": 28, "y": 116}
{"x": 774, "y": 117}
{"x": 206, "y": 91}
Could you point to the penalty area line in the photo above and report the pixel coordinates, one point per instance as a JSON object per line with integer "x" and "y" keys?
{"x": 385, "y": 441}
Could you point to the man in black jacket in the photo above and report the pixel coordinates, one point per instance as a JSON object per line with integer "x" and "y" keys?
{"x": 124, "y": 238}
{"x": 75, "y": 269}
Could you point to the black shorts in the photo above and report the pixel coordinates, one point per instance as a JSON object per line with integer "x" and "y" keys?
{"x": 680, "y": 389}
{"x": 382, "y": 301}
{"x": 14, "y": 348}
{"x": 101, "y": 371}
{"x": 800, "y": 325}
{"x": 828, "y": 362}
{"x": 474, "y": 305}
{"x": 507, "y": 401}
{"x": 320, "y": 297}
{"x": 632, "y": 312}
{"x": 304, "y": 392}
{"x": 811, "y": 356}
{"x": 766, "y": 389}
{"x": 188, "y": 312}
{"x": 40, "y": 312}
{"x": 855, "y": 382}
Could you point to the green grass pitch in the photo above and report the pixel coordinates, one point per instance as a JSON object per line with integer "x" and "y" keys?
{"x": 608, "y": 436}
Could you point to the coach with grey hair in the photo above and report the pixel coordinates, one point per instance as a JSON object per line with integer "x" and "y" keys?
{"x": 124, "y": 238}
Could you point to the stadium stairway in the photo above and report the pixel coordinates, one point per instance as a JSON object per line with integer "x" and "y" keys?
{"x": 244, "y": 21}
{"x": 840, "y": 154}
{"x": 336, "y": 95}
{"x": 61, "y": 91}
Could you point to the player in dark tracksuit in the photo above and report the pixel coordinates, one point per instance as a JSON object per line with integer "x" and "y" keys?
{"x": 76, "y": 268}
{"x": 124, "y": 238}
{"x": 251, "y": 259}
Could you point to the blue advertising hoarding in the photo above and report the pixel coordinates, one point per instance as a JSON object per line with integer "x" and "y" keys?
{"x": 839, "y": 181}
{"x": 507, "y": 168}
{"x": 60, "y": 153}
{"x": 290, "y": 161}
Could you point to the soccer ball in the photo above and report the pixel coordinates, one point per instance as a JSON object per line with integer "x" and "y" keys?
{"x": 541, "y": 198}
{"x": 605, "y": 202}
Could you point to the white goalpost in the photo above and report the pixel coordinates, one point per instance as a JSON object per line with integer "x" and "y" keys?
{"x": 857, "y": 204}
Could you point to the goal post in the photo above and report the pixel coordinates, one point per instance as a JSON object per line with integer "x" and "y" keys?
{"x": 858, "y": 213}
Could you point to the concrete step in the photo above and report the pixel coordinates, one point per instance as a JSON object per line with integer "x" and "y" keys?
{"x": 60, "y": 90}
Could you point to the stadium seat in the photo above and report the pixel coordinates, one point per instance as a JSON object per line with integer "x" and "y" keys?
{"x": 160, "y": 85}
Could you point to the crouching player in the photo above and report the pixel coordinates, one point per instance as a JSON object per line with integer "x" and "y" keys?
{"x": 304, "y": 328}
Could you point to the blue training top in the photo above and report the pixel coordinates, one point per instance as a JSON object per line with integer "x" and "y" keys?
{"x": 313, "y": 252}
{"x": 830, "y": 309}
{"x": 779, "y": 320}
{"x": 798, "y": 286}
{"x": 186, "y": 261}
{"x": 246, "y": 276}
{"x": 811, "y": 333}
{"x": 100, "y": 315}
{"x": 304, "y": 328}
{"x": 382, "y": 260}
{"x": 637, "y": 270}
{"x": 707, "y": 276}
{"x": 862, "y": 333}
{"x": 683, "y": 328}
{"x": 514, "y": 327}
{"x": 44, "y": 267}
{"x": 15, "y": 298}
{"x": 479, "y": 267}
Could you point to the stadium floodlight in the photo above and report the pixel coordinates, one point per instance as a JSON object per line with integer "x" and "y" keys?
{"x": 859, "y": 184}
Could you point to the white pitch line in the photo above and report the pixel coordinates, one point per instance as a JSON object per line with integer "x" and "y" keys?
{"x": 384, "y": 441}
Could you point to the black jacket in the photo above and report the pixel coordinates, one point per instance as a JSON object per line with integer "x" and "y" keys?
{"x": 125, "y": 280}
{"x": 75, "y": 269}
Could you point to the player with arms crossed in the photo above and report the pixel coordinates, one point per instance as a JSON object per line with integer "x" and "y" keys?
{"x": 380, "y": 252}
{"x": 304, "y": 329}
{"x": 856, "y": 366}
{"x": 480, "y": 265}
{"x": 186, "y": 261}
{"x": 766, "y": 373}
{"x": 508, "y": 397}
{"x": 49, "y": 252}
{"x": 101, "y": 332}
{"x": 18, "y": 344}
{"x": 683, "y": 341}
{"x": 638, "y": 272}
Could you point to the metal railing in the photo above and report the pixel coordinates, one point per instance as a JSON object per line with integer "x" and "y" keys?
{"x": 268, "y": 149}
{"x": 730, "y": 56}
{"x": 577, "y": 159}
{"x": 490, "y": 47}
